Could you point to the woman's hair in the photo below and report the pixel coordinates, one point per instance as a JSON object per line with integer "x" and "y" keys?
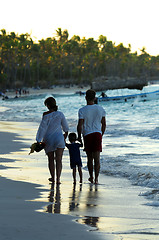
{"x": 50, "y": 102}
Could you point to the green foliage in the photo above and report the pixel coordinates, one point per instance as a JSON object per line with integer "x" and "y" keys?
{"x": 62, "y": 60}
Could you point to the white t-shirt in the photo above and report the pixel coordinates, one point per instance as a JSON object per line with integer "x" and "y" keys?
{"x": 51, "y": 131}
{"x": 92, "y": 115}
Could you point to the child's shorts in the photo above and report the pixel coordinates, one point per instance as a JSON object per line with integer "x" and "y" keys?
{"x": 73, "y": 164}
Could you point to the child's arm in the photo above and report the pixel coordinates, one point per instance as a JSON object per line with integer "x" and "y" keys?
{"x": 81, "y": 143}
{"x": 67, "y": 145}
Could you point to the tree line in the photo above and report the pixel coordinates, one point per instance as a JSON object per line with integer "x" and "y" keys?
{"x": 60, "y": 60}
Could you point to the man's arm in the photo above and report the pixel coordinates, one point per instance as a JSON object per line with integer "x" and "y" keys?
{"x": 79, "y": 128}
{"x": 103, "y": 122}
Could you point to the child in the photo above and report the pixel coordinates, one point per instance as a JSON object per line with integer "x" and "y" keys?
{"x": 75, "y": 159}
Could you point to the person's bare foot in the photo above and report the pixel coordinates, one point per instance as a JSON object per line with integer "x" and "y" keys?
{"x": 58, "y": 181}
{"x": 96, "y": 181}
{"x": 90, "y": 180}
{"x": 51, "y": 180}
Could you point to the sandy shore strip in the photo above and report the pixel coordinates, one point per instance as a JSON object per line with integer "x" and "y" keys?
{"x": 21, "y": 199}
{"x": 32, "y": 208}
{"x": 56, "y": 90}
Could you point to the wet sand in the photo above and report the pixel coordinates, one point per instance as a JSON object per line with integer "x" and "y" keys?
{"x": 32, "y": 208}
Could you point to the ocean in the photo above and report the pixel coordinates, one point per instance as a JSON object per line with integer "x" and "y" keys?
{"x": 131, "y": 140}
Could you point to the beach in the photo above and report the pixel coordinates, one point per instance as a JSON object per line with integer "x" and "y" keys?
{"x": 20, "y": 218}
{"x": 32, "y": 208}
{"x": 55, "y": 90}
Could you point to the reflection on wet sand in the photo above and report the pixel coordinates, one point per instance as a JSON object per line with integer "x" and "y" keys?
{"x": 55, "y": 199}
{"x": 75, "y": 202}
{"x": 90, "y": 221}
{"x": 91, "y": 202}
{"x": 92, "y": 196}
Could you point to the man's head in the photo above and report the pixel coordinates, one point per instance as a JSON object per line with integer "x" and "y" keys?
{"x": 90, "y": 95}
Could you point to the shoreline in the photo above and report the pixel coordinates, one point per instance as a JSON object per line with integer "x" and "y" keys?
{"x": 21, "y": 203}
{"x": 55, "y": 90}
{"x": 112, "y": 209}
{"x": 60, "y": 89}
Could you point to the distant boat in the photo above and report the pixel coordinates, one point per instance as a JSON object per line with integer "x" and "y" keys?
{"x": 80, "y": 93}
{"x": 140, "y": 96}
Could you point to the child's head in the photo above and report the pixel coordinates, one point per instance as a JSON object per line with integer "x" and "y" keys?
{"x": 72, "y": 137}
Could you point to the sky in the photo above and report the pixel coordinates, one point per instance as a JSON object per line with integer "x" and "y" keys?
{"x": 132, "y": 22}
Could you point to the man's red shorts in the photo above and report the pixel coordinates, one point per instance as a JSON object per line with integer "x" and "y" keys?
{"x": 93, "y": 142}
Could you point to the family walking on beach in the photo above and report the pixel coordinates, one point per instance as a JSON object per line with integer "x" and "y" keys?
{"x": 91, "y": 124}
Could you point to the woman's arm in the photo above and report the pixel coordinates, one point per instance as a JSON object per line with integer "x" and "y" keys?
{"x": 41, "y": 130}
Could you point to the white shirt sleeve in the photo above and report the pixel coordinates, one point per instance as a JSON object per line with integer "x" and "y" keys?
{"x": 64, "y": 124}
{"x": 42, "y": 129}
{"x": 80, "y": 114}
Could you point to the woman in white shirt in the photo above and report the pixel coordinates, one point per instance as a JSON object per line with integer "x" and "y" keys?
{"x": 50, "y": 131}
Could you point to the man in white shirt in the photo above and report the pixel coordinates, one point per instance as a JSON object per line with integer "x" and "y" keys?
{"x": 92, "y": 125}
